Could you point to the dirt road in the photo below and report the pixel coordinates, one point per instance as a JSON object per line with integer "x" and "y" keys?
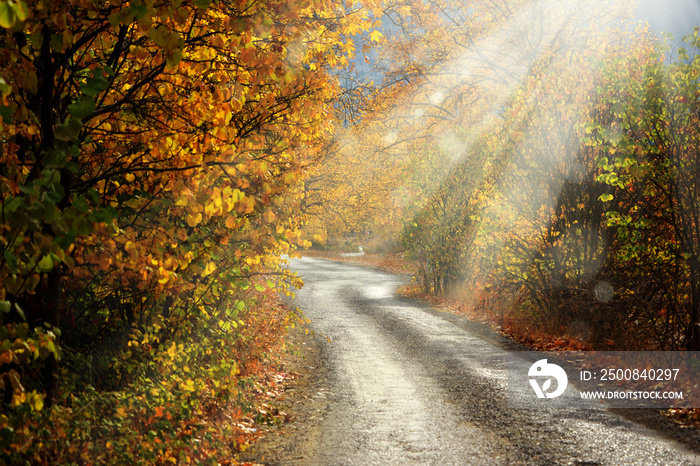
{"x": 404, "y": 384}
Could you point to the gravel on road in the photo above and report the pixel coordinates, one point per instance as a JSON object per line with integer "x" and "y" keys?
{"x": 389, "y": 380}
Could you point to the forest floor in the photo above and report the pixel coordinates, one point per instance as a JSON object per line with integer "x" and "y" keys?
{"x": 302, "y": 398}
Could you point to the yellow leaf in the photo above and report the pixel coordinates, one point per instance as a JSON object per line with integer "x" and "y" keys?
{"x": 36, "y": 401}
{"x": 188, "y": 386}
{"x": 211, "y": 266}
{"x": 164, "y": 276}
{"x": 194, "y": 219}
{"x": 375, "y": 36}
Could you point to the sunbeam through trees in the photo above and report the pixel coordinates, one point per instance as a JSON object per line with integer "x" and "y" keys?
{"x": 159, "y": 161}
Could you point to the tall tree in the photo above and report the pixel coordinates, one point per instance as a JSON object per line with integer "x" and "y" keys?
{"x": 149, "y": 151}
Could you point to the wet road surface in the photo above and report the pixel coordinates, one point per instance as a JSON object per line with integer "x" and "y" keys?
{"x": 410, "y": 385}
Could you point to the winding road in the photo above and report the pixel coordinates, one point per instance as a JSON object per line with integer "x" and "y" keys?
{"x": 410, "y": 385}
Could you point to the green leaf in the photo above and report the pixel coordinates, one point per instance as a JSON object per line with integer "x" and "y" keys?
{"x": 56, "y": 159}
{"x": 56, "y": 41}
{"x": 171, "y": 60}
{"x": 94, "y": 86}
{"x": 73, "y": 167}
{"x": 94, "y": 196}
{"x": 83, "y": 226}
{"x": 6, "y": 114}
{"x": 82, "y": 108}
{"x": 11, "y": 261}
{"x": 21, "y": 313}
{"x": 138, "y": 11}
{"x": 12, "y": 204}
{"x": 160, "y": 35}
{"x": 51, "y": 347}
{"x": 606, "y": 197}
{"x": 11, "y": 12}
{"x": 21, "y": 10}
{"x": 45, "y": 264}
{"x": 105, "y": 215}
{"x": 8, "y": 17}
{"x": 81, "y": 204}
{"x": 68, "y": 131}
{"x": 56, "y": 259}
{"x": 5, "y": 89}
{"x": 28, "y": 189}
{"x": 65, "y": 240}
{"x": 115, "y": 19}
{"x": 5, "y": 307}
{"x": 240, "y": 306}
{"x": 53, "y": 196}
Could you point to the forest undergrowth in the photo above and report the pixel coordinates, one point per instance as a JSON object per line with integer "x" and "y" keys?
{"x": 197, "y": 402}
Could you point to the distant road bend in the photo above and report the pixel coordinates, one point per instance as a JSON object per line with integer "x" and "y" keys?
{"x": 409, "y": 386}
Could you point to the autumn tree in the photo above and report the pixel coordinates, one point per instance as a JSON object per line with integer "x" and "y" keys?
{"x": 413, "y": 99}
{"x": 149, "y": 157}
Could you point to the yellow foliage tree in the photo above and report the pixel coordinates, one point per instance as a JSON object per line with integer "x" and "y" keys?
{"x": 149, "y": 157}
